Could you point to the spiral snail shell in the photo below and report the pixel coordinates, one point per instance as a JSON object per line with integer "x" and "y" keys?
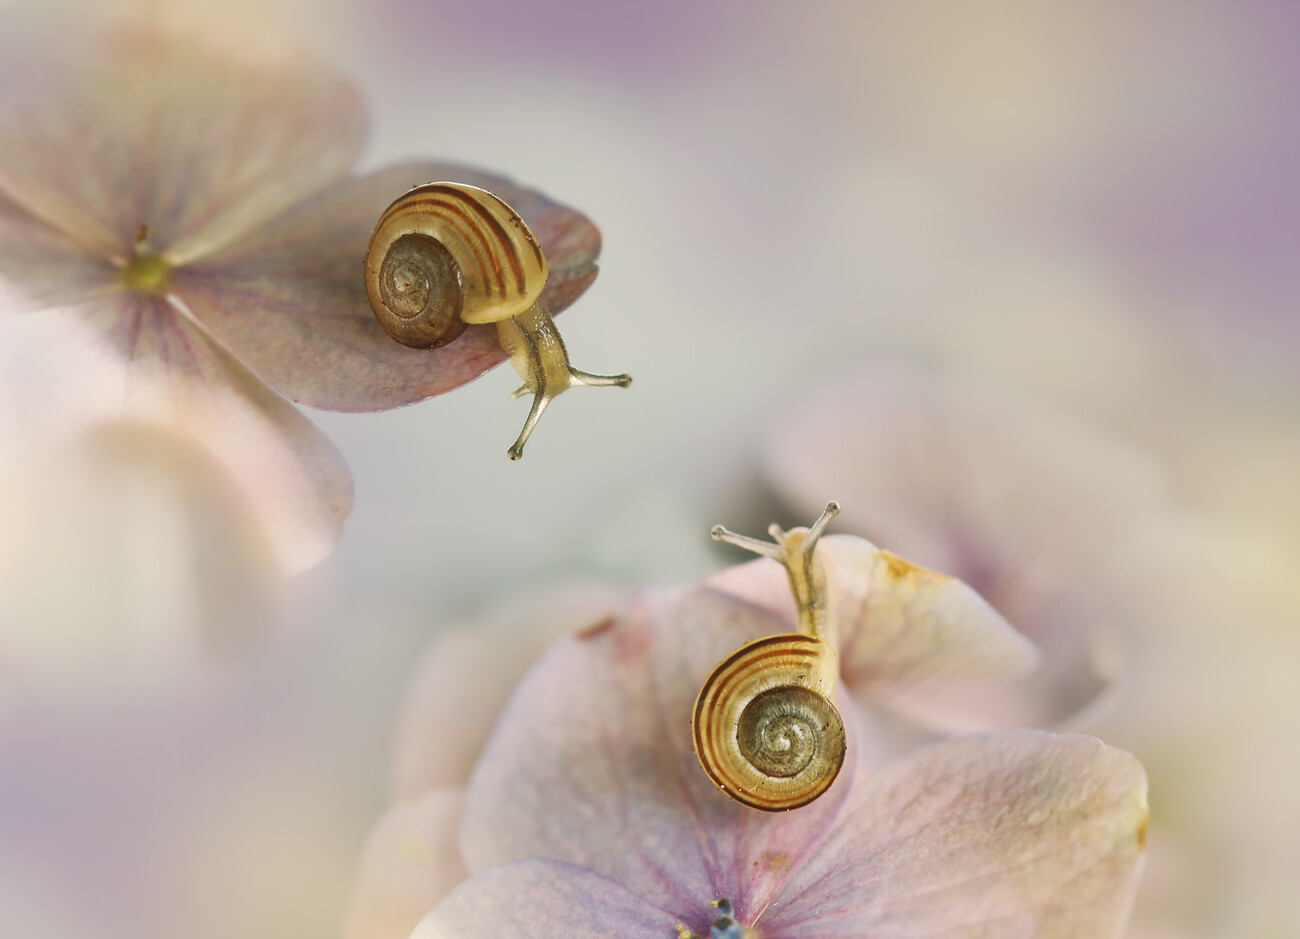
{"x": 445, "y": 256}
{"x": 765, "y": 729}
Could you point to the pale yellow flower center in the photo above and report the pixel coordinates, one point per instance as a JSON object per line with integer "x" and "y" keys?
{"x": 147, "y": 272}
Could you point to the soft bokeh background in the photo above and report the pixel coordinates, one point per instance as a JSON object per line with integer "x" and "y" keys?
{"x": 1092, "y": 203}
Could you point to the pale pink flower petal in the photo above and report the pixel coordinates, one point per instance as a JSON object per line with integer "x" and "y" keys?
{"x": 411, "y": 859}
{"x": 1013, "y": 834}
{"x": 290, "y": 299}
{"x": 547, "y": 900}
{"x": 124, "y": 555}
{"x": 906, "y": 632}
{"x": 1014, "y": 500}
{"x": 467, "y": 675}
{"x": 134, "y": 357}
{"x": 592, "y": 764}
{"x": 39, "y": 268}
{"x": 136, "y": 129}
{"x": 1018, "y": 834}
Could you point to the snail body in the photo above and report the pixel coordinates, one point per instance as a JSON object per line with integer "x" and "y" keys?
{"x": 765, "y": 728}
{"x": 445, "y": 256}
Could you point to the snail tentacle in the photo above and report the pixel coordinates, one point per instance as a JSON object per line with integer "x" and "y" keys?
{"x": 538, "y": 354}
{"x": 540, "y": 403}
{"x": 773, "y": 551}
{"x": 796, "y": 551}
{"x": 587, "y": 378}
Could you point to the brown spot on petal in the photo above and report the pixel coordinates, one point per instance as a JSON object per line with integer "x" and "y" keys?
{"x": 596, "y": 628}
{"x": 1142, "y": 829}
{"x": 777, "y": 862}
{"x": 901, "y": 569}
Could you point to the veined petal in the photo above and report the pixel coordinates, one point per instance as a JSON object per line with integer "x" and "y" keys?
{"x": 470, "y": 673}
{"x": 592, "y": 763}
{"x": 143, "y": 130}
{"x": 1019, "y": 834}
{"x": 536, "y": 899}
{"x": 133, "y": 357}
{"x": 290, "y": 299}
{"x": 410, "y": 861}
{"x": 40, "y": 268}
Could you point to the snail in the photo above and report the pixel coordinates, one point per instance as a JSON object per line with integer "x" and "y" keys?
{"x": 445, "y": 256}
{"x": 764, "y": 726}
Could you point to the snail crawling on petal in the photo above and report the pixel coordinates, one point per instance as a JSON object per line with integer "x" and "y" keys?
{"x": 765, "y": 728}
{"x": 445, "y": 256}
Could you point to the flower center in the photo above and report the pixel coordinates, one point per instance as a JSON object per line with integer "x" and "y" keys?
{"x": 147, "y": 272}
{"x": 724, "y": 925}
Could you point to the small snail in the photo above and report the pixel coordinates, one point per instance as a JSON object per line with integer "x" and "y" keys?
{"x": 764, "y": 726}
{"x": 444, "y": 256}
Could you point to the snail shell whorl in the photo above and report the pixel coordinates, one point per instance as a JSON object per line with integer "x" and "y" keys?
{"x": 445, "y": 255}
{"x": 765, "y": 729}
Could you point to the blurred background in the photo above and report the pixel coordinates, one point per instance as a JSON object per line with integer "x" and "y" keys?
{"x": 1093, "y": 205}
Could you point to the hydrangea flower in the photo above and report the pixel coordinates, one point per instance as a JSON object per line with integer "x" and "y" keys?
{"x": 1019, "y": 502}
{"x": 629, "y": 679}
{"x": 181, "y": 221}
{"x": 412, "y": 856}
{"x": 588, "y": 814}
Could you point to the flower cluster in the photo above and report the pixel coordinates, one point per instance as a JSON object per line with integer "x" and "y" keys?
{"x": 587, "y": 812}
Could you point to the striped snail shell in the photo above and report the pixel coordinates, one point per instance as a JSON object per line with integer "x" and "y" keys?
{"x": 765, "y": 729}
{"x": 447, "y": 255}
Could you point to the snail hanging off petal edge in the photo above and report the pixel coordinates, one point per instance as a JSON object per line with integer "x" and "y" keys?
{"x": 445, "y": 256}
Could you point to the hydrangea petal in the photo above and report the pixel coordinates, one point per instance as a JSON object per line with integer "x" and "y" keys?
{"x": 1080, "y": 659}
{"x": 537, "y": 899}
{"x": 471, "y": 671}
{"x": 592, "y": 763}
{"x": 904, "y": 630}
{"x": 39, "y": 268}
{"x": 171, "y": 563}
{"x": 143, "y": 129}
{"x": 411, "y": 860}
{"x": 290, "y": 300}
{"x": 1014, "y": 834}
{"x": 1015, "y": 500}
{"x": 134, "y": 357}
